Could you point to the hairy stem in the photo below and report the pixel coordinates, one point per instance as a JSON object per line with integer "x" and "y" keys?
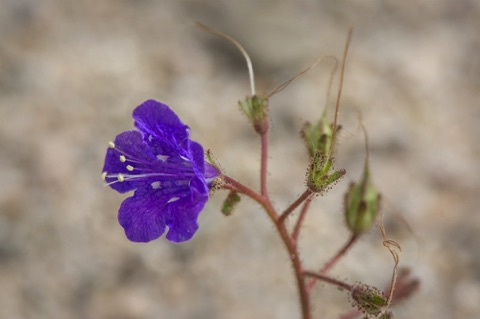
{"x": 333, "y": 260}
{"x": 301, "y": 217}
{"x": 233, "y": 184}
{"x": 264, "y": 161}
{"x": 295, "y": 204}
{"x": 298, "y": 269}
{"x": 340, "y": 284}
{"x": 264, "y": 201}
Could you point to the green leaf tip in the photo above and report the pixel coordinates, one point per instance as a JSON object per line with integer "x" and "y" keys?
{"x": 230, "y": 203}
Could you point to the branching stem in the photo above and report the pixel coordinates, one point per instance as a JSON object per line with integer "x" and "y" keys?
{"x": 264, "y": 201}
{"x": 333, "y": 260}
{"x": 295, "y": 204}
{"x": 340, "y": 284}
{"x": 301, "y": 217}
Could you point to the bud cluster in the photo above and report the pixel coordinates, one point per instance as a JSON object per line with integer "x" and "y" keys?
{"x": 319, "y": 141}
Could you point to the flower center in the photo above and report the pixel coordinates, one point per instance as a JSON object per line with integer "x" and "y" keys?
{"x": 137, "y": 168}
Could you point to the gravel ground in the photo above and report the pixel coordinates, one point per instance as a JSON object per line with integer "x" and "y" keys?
{"x": 72, "y": 71}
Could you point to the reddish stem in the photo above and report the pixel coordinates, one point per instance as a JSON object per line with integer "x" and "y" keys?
{"x": 333, "y": 260}
{"x": 264, "y": 162}
{"x": 264, "y": 201}
{"x": 298, "y": 269}
{"x": 340, "y": 284}
{"x": 233, "y": 184}
{"x": 301, "y": 217}
{"x": 295, "y": 204}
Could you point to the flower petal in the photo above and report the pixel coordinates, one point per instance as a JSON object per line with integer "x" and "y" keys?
{"x": 210, "y": 172}
{"x": 197, "y": 156}
{"x": 161, "y": 128}
{"x": 181, "y": 215}
{"x": 142, "y": 216}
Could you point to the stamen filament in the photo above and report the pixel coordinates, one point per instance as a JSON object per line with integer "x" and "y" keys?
{"x": 145, "y": 166}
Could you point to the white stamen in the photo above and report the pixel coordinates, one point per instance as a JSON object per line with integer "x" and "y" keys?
{"x": 104, "y": 175}
{"x": 121, "y": 177}
{"x": 122, "y": 158}
{"x": 173, "y": 199}
{"x": 130, "y": 168}
{"x": 184, "y": 158}
{"x": 163, "y": 158}
{"x": 155, "y": 185}
{"x": 111, "y": 144}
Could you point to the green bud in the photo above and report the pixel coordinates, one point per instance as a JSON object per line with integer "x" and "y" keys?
{"x": 369, "y": 299}
{"x": 230, "y": 202}
{"x": 319, "y": 177}
{"x": 361, "y": 204}
{"x": 318, "y": 138}
{"x": 255, "y": 108}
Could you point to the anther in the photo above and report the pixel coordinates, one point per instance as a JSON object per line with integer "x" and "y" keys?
{"x": 120, "y": 177}
{"x": 104, "y": 175}
{"x": 130, "y": 168}
{"x": 111, "y": 144}
{"x": 163, "y": 158}
{"x": 173, "y": 199}
{"x": 122, "y": 158}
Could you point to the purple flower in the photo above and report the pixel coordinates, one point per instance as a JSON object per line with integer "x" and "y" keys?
{"x": 166, "y": 170}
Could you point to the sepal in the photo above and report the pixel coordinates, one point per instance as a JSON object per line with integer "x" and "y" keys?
{"x": 256, "y": 109}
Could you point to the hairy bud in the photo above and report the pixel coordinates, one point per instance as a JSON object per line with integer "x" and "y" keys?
{"x": 319, "y": 175}
{"x": 368, "y": 299}
{"x": 361, "y": 204}
{"x": 319, "y": 140}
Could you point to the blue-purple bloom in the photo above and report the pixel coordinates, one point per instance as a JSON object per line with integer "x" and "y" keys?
{"x": 166, "y": 170}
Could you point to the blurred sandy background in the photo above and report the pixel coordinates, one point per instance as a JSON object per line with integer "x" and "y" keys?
{"x": 72, "y": 71}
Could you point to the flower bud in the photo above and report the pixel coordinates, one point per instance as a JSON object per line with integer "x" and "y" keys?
{"x": 255, "y": 108}
{"x": 319, "y": 177}
{"x": 230, "y": 203}
{"x": 361, "y": 204}
{"x": 369, "y": 299}
{"x": 318, "y": 138}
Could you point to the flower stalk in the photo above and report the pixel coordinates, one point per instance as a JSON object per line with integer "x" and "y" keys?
{"x": 172, "y": 182}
